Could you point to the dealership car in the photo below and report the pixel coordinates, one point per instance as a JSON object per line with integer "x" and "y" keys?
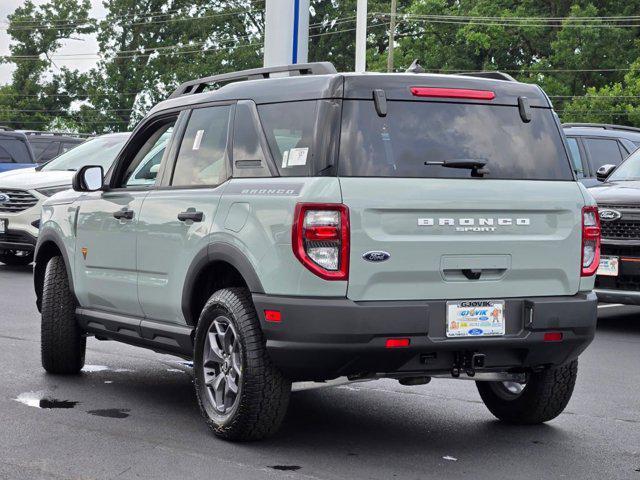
{"x": 618, "y": 198}
{"x": 593, "y": 145}
{"x": 15, "y": 150}
{"x": 305, "y": 224}
{"x": 23, "y": 191}
{"x": 48, "y": 145}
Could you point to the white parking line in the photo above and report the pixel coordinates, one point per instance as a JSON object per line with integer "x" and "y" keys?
{"x": 609, "y": 305}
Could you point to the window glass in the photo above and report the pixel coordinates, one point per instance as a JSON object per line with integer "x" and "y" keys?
{"x": 146, "y": 172}
{"x": 629, "y": 170}
{"x": 66, "y": 146}
{"x": 37, "y": 148}
{"x": 248, "y": 158}
{"x": 290, "y": 129}
{"x": 576, "y": 159}
{"x": 415, "y": 137}
{"x": 48, "y": 153}
{"x": 202, "y": 158}
{"x": 100, "y": 151}
{"x": 602, "y": 151}
{"x": 13, "y": 151}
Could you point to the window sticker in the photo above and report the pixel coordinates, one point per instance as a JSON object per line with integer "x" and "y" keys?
{"x": 198, "y": 140}
{"x": 297, "y": 157}
{"x": 285, "y": 158}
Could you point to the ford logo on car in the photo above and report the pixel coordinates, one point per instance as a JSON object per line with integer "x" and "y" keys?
{"x": 609, "y": 215}
{"x": 4, "y": 198}
{"x": 376, "y": 256}
{"x": 475, "y": 331}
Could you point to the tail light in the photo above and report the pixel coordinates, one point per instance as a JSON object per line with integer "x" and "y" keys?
{"x": 439, "y": 92}
{"x": 590, "y": 241}
{"x": 320, "y": 239}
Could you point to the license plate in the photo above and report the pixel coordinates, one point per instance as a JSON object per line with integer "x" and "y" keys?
{"x": 475, "y": 318}
{"x": 609, "y": 266}
{"x": 3, "y": 226}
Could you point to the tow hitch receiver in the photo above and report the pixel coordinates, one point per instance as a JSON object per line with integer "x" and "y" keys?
{"x": 467, "y": 362}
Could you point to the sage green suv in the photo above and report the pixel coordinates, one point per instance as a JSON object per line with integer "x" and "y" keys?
{"x": 305, "y": 224}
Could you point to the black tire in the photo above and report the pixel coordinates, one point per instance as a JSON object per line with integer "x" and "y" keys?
{"x": 15, "y": 258}
{"x": 262, "y": 392}
{"x": 544, "y": 397}
{"x": 63, "y": 343}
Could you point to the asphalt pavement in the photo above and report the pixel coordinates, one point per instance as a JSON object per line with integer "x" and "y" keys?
{"x": 132, "y": 414}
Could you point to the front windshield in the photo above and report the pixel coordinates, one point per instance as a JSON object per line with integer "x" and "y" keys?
{"x": 95, "y": 151}
{"x": 628, "y": 170}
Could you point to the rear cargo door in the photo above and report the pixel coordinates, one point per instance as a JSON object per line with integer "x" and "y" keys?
{"x": 501, "y": 220}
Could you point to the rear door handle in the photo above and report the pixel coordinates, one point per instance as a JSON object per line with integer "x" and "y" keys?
{"x": 124, "y": 214}
{"x": 190, "y": 215}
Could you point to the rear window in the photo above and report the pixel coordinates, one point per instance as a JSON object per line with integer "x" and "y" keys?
{"x": 415, "y": 133}
{"x": 13, "y": 151}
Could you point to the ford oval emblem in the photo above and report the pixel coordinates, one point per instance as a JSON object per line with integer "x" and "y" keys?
{"x": 475, "y": 331}
{"x": 609, "y": 215}
{"x": 376, "y": 256}
{"x": 4, "y": 198}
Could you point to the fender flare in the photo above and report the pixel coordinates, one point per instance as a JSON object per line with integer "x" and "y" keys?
{"x": 49, "y": 236}
{"x": 217, "y": 252}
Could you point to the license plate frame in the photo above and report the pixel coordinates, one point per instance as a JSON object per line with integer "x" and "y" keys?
{"x": 609, "y": 266}
{"x": 475, "y": 318}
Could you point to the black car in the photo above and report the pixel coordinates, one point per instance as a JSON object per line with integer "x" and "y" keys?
{"x": 15, "y": 150}
{"x": 48, "y": 145}
{"x": 593, "y": 145}
{"x": 618, "y": 198}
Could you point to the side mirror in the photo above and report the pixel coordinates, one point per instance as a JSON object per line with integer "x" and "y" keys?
{"x": 604, "y": 171}
{"x": 88, "y": 179}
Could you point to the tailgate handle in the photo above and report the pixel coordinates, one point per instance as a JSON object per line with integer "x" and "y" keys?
{"x": 472, "y": 274}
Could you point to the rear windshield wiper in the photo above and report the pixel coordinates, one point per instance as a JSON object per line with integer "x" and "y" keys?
{"x": 476, "y": 165}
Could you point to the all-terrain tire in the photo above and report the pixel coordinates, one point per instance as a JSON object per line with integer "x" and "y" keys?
{"x": 544, "y": 397}
{"x": 263, "y": 394}
{"x": 9, "y": 257}
{"x": 63, "y": 343}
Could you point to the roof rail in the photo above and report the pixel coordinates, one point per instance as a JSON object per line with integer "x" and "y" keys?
{"x": 197, "y": 86}
{"x": 4, "y": 128}
{"x": 605, "y": 126}
{"x": 54, "y": 134}
{"x": 494, "y": 75}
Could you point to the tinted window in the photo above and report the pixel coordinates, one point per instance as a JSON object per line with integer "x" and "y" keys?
{"x": 48, "y": 153}
{"x": 602, "y": 151}
{"x": 248, "y": 158}
{"x": 576, "y": 158}
{"x": 202, "y": 157}
{"x": 290, "y": 128}
{"x": 413, "y": 133}
{"x": 68, "y": 146}
{"x": 96, "y": 151}
{"x": 14, "y": 151}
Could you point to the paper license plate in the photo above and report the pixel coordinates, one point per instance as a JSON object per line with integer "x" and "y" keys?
{"x": 3, "y": 226}
{"x": 608, "y": 266}
{"x": 475, "y": 318}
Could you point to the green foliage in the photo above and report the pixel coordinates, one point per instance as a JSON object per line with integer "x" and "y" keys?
{"x": 589, "y": 65}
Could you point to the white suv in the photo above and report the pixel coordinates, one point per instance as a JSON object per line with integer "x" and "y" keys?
{"x": 23, "y": 191}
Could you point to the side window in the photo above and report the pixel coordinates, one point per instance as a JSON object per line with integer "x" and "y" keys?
{"x": 202, "y": 157}
{"x": 142, "y": 170}
{"x": 66, "y": 146}
{"x": 603, "y": 151}
{"x": 48, "y": 153}
{"x": 290, "y": 129}
{"x": 576, "y": 158}
{"x": 249, "y": 159}
{"x": 13, "y": 151}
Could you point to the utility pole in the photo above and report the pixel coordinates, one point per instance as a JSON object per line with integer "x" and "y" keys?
{"x": 361, "y": 36}
{"x": 392, "y": 34}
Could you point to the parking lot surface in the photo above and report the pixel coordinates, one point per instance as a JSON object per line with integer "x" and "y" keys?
{"x": 132, "y": 414}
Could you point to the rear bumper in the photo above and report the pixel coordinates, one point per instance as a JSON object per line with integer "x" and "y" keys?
{"x": 627, "y": 297}
{"x": 323, "y": 338}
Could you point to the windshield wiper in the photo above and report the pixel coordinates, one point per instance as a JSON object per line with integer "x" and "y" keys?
{"x": 476, "y": 165}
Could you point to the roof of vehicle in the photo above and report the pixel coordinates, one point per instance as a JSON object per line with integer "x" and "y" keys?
{"x": 320, "y": 80}
{"x": 57, "y": 135}
{"x": 602, "y": 130}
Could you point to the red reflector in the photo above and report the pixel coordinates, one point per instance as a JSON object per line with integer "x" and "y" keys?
{"x": 397, "y": 342}
{"x": 453, "y": 93}
{"x": 553, "y": 337}
{"x": 272, "y": 316}
{"x": 321, "y": 233}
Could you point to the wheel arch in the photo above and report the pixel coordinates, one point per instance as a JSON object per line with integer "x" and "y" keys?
{"x": 49, "y": 246}
{"x": 218, "y": 265}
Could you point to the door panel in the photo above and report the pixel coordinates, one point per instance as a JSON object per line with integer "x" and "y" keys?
{"x": 105, "y": 264}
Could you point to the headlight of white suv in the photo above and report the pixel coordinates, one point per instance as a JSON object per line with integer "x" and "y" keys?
{"x": 49, "y": 191}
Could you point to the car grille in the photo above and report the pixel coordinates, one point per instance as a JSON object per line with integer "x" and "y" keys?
{"x": 624, "y": 228}
{"x": 18, "y": 201}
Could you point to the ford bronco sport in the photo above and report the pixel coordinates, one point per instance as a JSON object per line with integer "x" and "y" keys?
{"x": 310, "y": 225}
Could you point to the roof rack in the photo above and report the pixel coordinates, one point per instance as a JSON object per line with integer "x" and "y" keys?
{"x": 54, "y": 134}
{"x": 197, "y": 86}
{"x": 494, "y": 75}
{"x": 605, "y": 126}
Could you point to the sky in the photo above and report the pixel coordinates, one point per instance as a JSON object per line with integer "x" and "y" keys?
{"x": 86, "y": 44}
